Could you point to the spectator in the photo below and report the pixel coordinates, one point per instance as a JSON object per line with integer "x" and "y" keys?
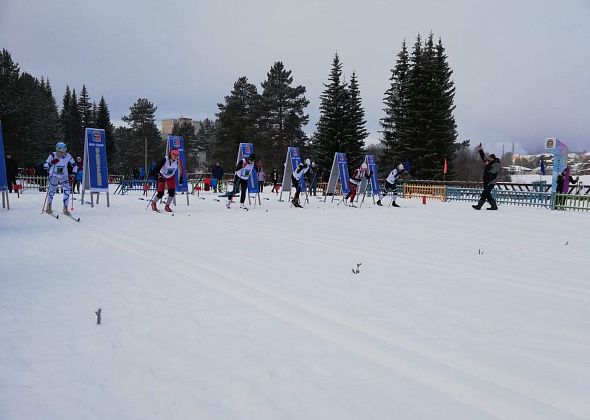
{"x": 78, "y": 178}
{"x": 314, "y": 173}
{"x": 490, "y": 175}
{"x": 563, "y": 184}
{"x": 217, "y": 174}
{"x": 274, "y": 178}
{"x": 261, "y": 178}
{"x": 11, "y": 171}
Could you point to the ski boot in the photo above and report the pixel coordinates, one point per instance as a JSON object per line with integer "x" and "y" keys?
{"x": 379, "y": 203}
{"x": 48, "y": 208}
{"x": 168, "y": 209}
{"x": 243, "y": 206}
{"x": 394, "y": 204}
{"x": 154, "y": 207}
{"x": 66, "y": 211}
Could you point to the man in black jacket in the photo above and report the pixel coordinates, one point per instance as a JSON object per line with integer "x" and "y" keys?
{"x": 11, "y": 171}
{"x": 490, "y": 175}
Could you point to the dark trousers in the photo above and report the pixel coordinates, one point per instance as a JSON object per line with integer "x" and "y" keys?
{"x": 242, "y": 185}
{"x": 297, "y": 186}
{"x": 486, "y": 195}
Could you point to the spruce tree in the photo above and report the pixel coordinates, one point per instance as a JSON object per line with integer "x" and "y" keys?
{"x": 75, "y": 130}
{"x": 103, "y": 120}
{"x": 282, "y": 115}
{"x": 357, "y": 133}
{"x": 396, "y": 113}
{"x": 85, "y": 108}
{"x": 330, "y": 136}
{"x": 206, "y": 137}
{"x": 144, "y": 134}
{"x": 237, "y": 121}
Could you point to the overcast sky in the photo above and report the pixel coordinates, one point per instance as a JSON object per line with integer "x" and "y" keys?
{"x": 521, "y": 68}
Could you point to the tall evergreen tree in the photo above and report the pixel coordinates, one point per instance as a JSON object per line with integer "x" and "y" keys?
{"x": 85, "y": 108}
{"x": 237, "y": 122}
{"x": 206, "y": 137}
{"x": 64, "y": 116}
{"x": 145, "y": 136}
{"x": 103, "y": 120}
{"x": 330, "y": 136}
{"x": 396, "y": 113}
{"x": 75, "y": 132}
{"x": 282, "y": 115}
{"x": 357, "y": 133}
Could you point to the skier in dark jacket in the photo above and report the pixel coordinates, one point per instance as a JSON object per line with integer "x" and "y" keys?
{"x": 490, "y": 176}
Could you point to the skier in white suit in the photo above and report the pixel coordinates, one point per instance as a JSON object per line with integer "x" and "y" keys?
{"x": 57, "y": 165}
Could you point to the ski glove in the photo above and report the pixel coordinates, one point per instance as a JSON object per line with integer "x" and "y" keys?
{"x": 54, "y": 161}
{"x": 161, "y": 178}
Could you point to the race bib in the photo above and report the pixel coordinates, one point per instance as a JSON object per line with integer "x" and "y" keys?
{"x": 170, "y": 171}
{"x": 60, "y": 170}
{"x": 246, "y": 172}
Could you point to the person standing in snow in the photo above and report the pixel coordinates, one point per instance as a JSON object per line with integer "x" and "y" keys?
{"x": 167, "y": 169}
{"x": 261, "y": 177}
{"x": 300, "y": 171}
{"x": 355, "y": 180}
{"x": 390, "y": 184}
{"x": 274, "y": 178}
{"x": 563, "y": 184}
{"x": 490, "y": 176}
{"x": 217, "y": 174}
{"x": 11, "y": 171}
{"x": 242, "y": 173}
{"x": 57, "y": 164}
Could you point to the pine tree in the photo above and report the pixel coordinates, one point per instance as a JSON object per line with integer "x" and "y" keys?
{"x": 75, "y": 132}
{"x": 144, "y": 134}
{"x": 85, "y": 108}
{"x": 282, "y": 115}
{"x": 237, "y": 122}
{"x": 396, "y": 113}
{"x": 64, "y": 116}
{"x": 357, "y": 133}
{"x": 103, "y": 120}
{"x": 330, "y": 136}
{"x": 206, "y": 138}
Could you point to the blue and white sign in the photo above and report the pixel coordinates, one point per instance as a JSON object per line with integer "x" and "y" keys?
{"x": 370, "y": 161}
{"x": 177, "y": 142}
{"x": 559, "y": 150}
{"x": 292, "y": 161}
{"x": 3, "y": 177}
{"x": 96, "y": 173}
{"x": 245, "y": 150}
{"x": 295, "y": 161}
{"x": 343, "y": 171}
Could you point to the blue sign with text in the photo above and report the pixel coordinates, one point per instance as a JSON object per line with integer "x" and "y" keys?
{"x": 247, "y": 149}
{"x": 95, "y": 159}
{"x": 373, "y": 169}
{"x": 343, "y": 172}
{"x": 177, "y": 142}
{"x": 295, "y": 161}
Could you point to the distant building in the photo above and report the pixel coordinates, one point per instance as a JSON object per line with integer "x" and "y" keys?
{"x": 168, "y": 125}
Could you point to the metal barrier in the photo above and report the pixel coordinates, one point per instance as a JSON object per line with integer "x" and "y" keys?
{"x": 437, "y": 192}
{"x": 572, "y": 202}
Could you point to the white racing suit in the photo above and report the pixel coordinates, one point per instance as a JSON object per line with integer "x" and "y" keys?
{"x": 58, "y": 175}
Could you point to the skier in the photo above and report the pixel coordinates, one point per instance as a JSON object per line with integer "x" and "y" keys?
{"x": 57, "y": 166}
{"x": 300, "y": 171}
{"x": 241, "y": 175}
{"x": 355, "y": 180}
{"x": 490, "y": 175}
{"x": 390, "y": 184}
{"x": 167, "y": 177}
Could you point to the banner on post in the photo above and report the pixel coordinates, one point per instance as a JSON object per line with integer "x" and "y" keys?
{"x": 177, "y": 142}
{"x": 96, "y": 173}
{"x": 245, "y": 150}
{"x": 292, "y": 161}
{"x": 339, "y": 172}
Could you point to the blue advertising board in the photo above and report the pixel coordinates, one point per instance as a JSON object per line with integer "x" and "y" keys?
{"x": 177, "y": 142}
{"x": 370, "y": 160}
{"x": 3, "y": 177}
{"x": 343, "y": 172}
{"x": 245, "y": 150}
{"x": 96, "y": 173}
{"x": 295, "y": 161}
{"x": 560, "y": 151}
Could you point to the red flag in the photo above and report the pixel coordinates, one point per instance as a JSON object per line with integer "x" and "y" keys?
{"x": 445, "y": 167}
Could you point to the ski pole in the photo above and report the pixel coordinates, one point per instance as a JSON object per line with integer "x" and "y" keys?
{"x": 46, "y": 194}
{"x": 151, "y": 199}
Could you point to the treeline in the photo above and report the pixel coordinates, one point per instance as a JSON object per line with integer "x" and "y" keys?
{"x": 418, "y": 125}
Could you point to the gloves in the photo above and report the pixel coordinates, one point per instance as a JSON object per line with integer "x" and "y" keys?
{"x": 181, "y": 180}
{"x": 54, "y": 161}
{"x": 161, "y": 178}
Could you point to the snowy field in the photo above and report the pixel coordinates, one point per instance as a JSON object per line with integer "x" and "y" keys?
{"x": 232, "y": 314}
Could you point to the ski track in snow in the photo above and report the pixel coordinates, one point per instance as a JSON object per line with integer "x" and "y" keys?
{"x": 416, "y": 362}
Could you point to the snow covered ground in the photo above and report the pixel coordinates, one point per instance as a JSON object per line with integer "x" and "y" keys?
{"x": 227, "y": 314}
